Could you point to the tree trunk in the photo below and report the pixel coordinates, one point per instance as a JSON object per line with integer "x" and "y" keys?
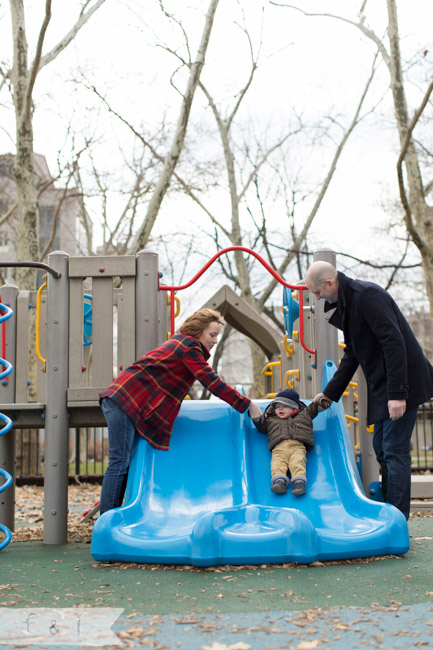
{"x": 27, "y": 204}
{"x": 421, "y": 214}
{"x": 259, "y": 361}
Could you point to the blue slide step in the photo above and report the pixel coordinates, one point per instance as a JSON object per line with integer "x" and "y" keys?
{"x": 208, "y": 502}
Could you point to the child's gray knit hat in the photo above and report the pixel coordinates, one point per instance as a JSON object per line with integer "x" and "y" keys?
{"x": 288, "y": 397}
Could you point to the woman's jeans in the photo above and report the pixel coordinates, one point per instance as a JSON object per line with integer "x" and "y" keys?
{"x": 121, "y": 432}
{"x": 391, "y": 443}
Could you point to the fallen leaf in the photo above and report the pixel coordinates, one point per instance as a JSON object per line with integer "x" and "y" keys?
{"x": 308, "y": 645}
{"x": 223, "y": 646}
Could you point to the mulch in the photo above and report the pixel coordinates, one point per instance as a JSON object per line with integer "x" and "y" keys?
{"x": 29, "y": 512}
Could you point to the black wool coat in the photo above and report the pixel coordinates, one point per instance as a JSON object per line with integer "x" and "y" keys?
{"x": 379, "y": 339}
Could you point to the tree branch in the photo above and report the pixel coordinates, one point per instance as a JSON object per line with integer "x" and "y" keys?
{"x": 8, "y": 213}
{"x": 360, "y": 25}
{"x": 159, "y": 157}
{"x": 37, "y": 60}
{"x": 264, "y": 158}
{"x": 64, "y": 42}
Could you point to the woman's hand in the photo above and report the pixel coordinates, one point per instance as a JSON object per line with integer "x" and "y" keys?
{"x": 254, "y": 410}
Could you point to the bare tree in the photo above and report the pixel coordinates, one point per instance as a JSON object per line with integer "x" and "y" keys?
{"x": 240, "y": 184}
{"x": 23, "y": 76}
{"x": 418, "y": 214}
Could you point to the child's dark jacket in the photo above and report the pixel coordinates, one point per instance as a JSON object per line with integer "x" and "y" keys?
{"x": 296, "y": 427}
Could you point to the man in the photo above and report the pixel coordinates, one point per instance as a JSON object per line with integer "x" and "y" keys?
{"x": 399, "y": 376}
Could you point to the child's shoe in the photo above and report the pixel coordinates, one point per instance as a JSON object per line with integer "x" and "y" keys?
{"x": 299, "y": 487}
{"x": 279, "y": 486}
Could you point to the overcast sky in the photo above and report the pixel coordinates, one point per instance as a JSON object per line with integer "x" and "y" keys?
{"x": 310, "y": 64}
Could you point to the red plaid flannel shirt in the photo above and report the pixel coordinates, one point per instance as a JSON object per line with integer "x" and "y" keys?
{"x": 151, "y": 389}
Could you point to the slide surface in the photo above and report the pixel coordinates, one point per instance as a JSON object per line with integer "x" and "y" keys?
{"x": 208, "y": 502}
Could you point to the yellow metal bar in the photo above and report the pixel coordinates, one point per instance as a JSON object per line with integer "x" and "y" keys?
{"x": 288, "y": 347}
{"x": 38, "y": 324}
{"x": 289, "y": 383}
{"x": 176, "y": 302}
{"x": 270, "y": 364}
{"x": 267, "y": 371}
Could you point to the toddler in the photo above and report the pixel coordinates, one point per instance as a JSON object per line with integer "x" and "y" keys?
{"x": 289, "y": 426}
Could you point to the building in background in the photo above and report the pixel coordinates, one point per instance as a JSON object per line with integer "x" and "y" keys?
{"x": 63, "y": 221}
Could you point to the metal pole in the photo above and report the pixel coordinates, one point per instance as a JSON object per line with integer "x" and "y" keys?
{"x": 77, "y": 450}
{"x": 9, "y": 294}
{"x": 56, "y": 413}
{"x": 326, "y": 336}
{"x": 307, "y": 360}
{"x": 164, "y": 317}
{"x": 146, "y": 295}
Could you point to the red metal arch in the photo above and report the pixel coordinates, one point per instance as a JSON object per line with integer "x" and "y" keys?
{"x": 263, "y": 262}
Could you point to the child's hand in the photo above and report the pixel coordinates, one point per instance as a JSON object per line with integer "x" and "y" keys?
{"x": 322, "y": 401}
{"x": 254, "y": 411}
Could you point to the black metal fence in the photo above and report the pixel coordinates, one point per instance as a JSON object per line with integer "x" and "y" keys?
{"x": 88, "y": 454}
{"x": 88, "y": 450}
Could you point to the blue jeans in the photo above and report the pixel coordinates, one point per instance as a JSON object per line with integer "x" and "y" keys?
{"x": 121, "y": 432}
{"x": 391, "y": 443}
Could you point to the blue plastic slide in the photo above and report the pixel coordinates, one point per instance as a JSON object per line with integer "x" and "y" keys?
{"x": 208, "y": 502}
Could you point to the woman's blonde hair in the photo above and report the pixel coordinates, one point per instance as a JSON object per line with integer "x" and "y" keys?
{"x": 195, "y": 324}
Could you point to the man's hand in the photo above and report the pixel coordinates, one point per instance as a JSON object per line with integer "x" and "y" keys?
{"x": 323, "y": 401}
{"x": 254, "y": 410}
{"x": 396, "y": 408}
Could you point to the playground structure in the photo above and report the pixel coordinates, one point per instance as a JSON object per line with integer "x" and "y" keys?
{"x": 138, "y": 315}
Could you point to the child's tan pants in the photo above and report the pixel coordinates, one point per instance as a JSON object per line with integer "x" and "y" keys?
{"x": 289, "y": 454}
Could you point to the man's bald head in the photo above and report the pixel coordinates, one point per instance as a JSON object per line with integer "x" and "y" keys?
{"x": 322, "y": 280}
{"x": 319, "y": 272}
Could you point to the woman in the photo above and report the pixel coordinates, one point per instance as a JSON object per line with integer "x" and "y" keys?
{"x": 146, "y": 397}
